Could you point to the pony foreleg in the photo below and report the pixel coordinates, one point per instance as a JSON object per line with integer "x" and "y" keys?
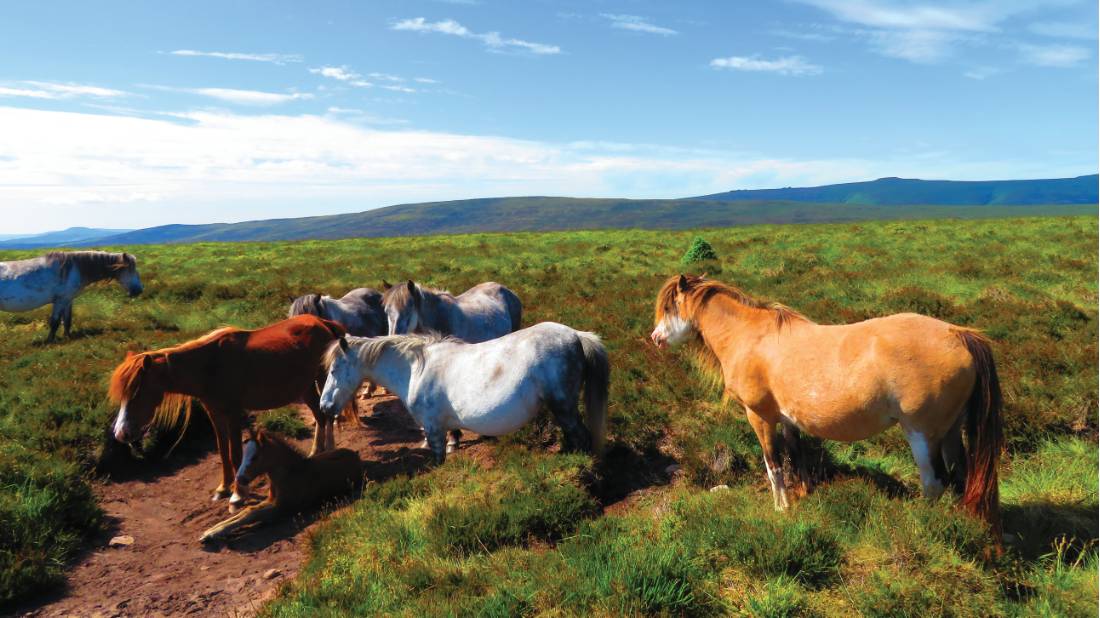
{"x": 773, "y": 461}
{"x": 437, "y": 442}
{"x": 927, "y": 453}
{"x": 67, "y": 318}
{"x": 233, "y": 425}
{"x": 792, "y": 440}
{"x": 262, "y": 512}
{"x": 221, "y": 436}
{"x": 56, "y": 311}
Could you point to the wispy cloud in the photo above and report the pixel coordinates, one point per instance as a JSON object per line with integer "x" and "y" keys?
{"x": 239, "y": 97}
{"x": 637, "y": 24}
{"x": 54, "y": 90}
{"x": 492, "y": 40}
{"x": 980, "y": 73}
{"x": 272, "y": 58}
{"x": 1060, "y": 56}
{"x": 343, "y": 74}
{"x": 786, "y": 65}
{"x": 398, "y": 88}
{"x": 926, "y": 32}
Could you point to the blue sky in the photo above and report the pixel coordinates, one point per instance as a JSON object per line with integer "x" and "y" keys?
{"x": 131, "y": 114}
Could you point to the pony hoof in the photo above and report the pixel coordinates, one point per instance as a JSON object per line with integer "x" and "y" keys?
{"x": 220, "y": 494}
{"x": 235, "y": 499}
{"x": 424, "y": 444}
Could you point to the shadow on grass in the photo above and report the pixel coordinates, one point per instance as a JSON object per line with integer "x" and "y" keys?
{"x": 1035, "y": 528}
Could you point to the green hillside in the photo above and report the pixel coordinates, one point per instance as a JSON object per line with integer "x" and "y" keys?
{"x": 524, "y": 531}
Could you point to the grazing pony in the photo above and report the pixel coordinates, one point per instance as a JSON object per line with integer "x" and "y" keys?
{"x": 59, "y": 277}
{"x": 360, "y": 312}
{"x": 295, "y": 482}
{"x": 849, "y": 382}
{"x": 486, "y": 311}
{"x": 229, "y": 371}
{"x": 492, "y": 388}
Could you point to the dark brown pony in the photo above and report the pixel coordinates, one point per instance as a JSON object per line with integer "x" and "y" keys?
{"x": 295, "y": 482}
{"x": 229, "y": 371}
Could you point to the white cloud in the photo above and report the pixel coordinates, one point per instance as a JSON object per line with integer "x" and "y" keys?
{"x": 386, "y": 77}
{"x": 1060, "y": 56}
{"x": 492, "y": 40}
{"x": 398, "y": 88}
{"x": 980, "y": 73}
{"x": 425, "y": 80}
{"x": 272, "y": 58}
{"x": 342, "y": 73}
{"x": 239, "y": 97}
{"x": 637, "y": 24}
{"x": 54, "y": 90}
{"x": 786, "y": 65}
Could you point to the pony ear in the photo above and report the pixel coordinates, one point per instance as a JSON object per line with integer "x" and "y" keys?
{"x": 386, "y": 285}
{"x": 343, "y": 344}
{"x": 413, "y": 291}
{"x": 683, "y": 284}
{"x": 146, "y": 362}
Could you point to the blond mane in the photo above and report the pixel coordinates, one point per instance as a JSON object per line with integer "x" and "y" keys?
{"x": 369, "y": 350}
{"x": 126, "y": 380}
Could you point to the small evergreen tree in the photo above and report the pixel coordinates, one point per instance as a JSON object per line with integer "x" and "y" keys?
{"x": 700, "y": 251}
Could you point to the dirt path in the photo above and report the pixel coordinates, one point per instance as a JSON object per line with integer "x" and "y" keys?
{"x": 167, "y": 572}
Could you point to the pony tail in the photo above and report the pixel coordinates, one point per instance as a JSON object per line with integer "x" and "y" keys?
{"x": 597, "y": 378}
{"x": 984, "y": 433}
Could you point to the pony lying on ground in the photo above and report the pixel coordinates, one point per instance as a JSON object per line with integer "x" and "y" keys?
{"x": 59, "y": 277}
{"x": 849, "y": 382}
{"x": 229, "y": 371}
{"x": 295, "y": 482}
{"x": 359, "y": 311}
{"x": 492, "y": 388}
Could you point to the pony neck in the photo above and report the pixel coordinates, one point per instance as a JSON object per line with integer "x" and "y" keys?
{"x": 435, "y": 310}
{"x": 287, "y": 466}
{"x": 731, "y": 330}
{"x": 180, "y": 373}
{"x": 393, "y": 371}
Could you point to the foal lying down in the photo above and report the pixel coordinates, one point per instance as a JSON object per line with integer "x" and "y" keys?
{"x": 296, "y": 482}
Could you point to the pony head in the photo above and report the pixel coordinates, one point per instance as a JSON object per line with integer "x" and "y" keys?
{"x": 255, "y": 459}
{"x": 137, "y": 386}
{"x": 672, "y": 316}
{"x": 309, "y": 304}
{"x": 345, "y": 374}
{"x": 402, "y": 306}
{"x": 127, "y": 275}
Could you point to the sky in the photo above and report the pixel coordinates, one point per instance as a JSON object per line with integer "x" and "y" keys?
{"x": 134, "y": 114}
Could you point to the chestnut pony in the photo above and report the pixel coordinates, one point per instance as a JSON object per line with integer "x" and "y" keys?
{"x": 295, "y": 482}
{"x": 849, "y": 382}
{"x": 229, "y": 371}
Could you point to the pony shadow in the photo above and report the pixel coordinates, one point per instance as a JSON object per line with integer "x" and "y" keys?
{"x": 622, "y": 471}
{"x": 822, "y": 467}
{"x": 1035, "y": 529}
{"x": 164, "y": 456}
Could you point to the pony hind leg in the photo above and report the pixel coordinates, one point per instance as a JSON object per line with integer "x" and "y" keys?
{"x": 575, "y": 436}
{"x": 773, "y": 457}
{"x": 954, "y": 458}
{"x": 56, "y": 311}
{"x": 926, "y": 452}
{"x": 67, "y": 319}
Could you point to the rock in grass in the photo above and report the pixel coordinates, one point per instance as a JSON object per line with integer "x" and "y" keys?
{"x": 121, "y": 541}
{"x": 272, "y": 573}
{"x": 719, "y": 488}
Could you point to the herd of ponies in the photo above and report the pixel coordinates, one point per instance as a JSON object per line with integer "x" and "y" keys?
{"x": 464, "y": 362}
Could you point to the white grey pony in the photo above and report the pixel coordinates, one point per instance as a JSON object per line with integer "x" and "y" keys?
{"x": 359, "y": 311}
{"x": 492, "y": 388}
{"x": 486, "y": 311}
{"x": 59, "y": 277}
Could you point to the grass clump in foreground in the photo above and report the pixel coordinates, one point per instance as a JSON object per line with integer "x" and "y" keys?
{"x": 523, "y": 535}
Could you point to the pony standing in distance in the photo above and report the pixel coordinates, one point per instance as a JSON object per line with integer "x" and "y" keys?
{"x": 59, "y": 278}
{"x": 492, "y": 388}
{"x": 849, "y": 382}
{"x": 486, "y": 311}
{"x": 295, "y": 482}
{"x": 360, "y": 312}
{"x": 229, "y": 371}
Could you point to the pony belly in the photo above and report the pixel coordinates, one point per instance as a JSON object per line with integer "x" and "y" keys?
{"x": 499, "y": 420}
{"x": 850, "y": 427}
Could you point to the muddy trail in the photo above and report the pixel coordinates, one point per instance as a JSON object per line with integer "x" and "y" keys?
{"x": 165, "y": 571}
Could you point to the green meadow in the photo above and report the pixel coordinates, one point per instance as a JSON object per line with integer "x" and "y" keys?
{"x": 531, "y": 532}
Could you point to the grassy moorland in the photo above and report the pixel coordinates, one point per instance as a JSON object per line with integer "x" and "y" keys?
{"x": 525, "y": 532}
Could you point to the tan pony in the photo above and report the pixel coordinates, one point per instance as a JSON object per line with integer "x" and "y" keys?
{"x": 849, "y": 382}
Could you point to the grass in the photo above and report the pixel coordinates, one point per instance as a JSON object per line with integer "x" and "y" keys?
{"x": 525, "y": 534}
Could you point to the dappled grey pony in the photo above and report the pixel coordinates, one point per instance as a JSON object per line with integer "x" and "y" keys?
{"x": 359, "y": 311}
{"x": 486, "y": 311}
{"x": 492, "y": 388}
{"x": 59, "y": 277}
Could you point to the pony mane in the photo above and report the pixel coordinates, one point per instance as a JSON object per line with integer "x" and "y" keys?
{"x": 701, "y": 290}
{"x": 92, "y": 265}
{"x": 279, "y": 441}
{"x": 399, "y": 295}
{"x": 370, "y": 349}
{"x": 308, "y": 304}
{"x": 126, "y": 380}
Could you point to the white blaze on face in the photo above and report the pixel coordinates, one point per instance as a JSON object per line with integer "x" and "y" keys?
{"x": 672, "y": 330}
{"x": 120, "y": 429}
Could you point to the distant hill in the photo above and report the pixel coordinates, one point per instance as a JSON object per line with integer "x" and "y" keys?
{"x": 905, "y": 191}
{"x": 70, "y": 236}
{"x": 888, "y": 198}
